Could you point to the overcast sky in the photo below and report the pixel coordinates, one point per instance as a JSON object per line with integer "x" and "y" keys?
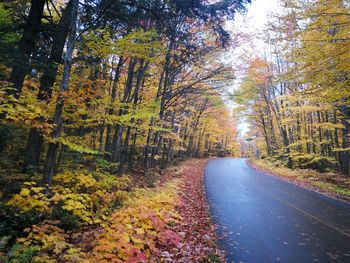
{"x": 252, "y": 23}
{"x": 257, "y": 12}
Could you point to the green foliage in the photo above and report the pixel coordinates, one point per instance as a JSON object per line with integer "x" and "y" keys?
{"x": 67, "y": 220}
{"x": 103, "y": 164}
{"x": 97, "y": 44}
{"x": 139, "y": 44}
{"x": 5, "y": 15}
{"x": 8, "y": 37}
{"x": 139, "y": 113}
{"x": 342, "y": 190}
{"x": 20, "y": 254}
{"x": 77, "y": 147}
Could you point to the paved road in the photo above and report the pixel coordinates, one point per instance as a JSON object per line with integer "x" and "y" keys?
{"x": 264, "y": 219}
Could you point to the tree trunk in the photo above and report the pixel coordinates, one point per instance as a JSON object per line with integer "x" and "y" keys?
{"x": 119, "y": 129}
{"x": 125, "y": 150}
{"x": 344, "y": 157}
{"x": 147, "y": 146}
{"x": 100, "y": 141}
{"x": 336, "y": 138}
{"x": 35, "y": 138}
{"x": 33, "y": 149}
{"x": 116, "y": 143}
{"x": 132, "y": 151}
{"x": 134, "y": 98}
{"x": 26, "y": 47}
{"x": 113, "y": 96}
{"x": 320, "y": 132}
{"x": 57, "y": 121}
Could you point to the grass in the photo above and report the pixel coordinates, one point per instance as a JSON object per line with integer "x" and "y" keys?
{"x": 333, "y": 184}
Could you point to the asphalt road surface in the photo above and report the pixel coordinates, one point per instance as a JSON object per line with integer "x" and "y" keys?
{"x": 261, "y": 218}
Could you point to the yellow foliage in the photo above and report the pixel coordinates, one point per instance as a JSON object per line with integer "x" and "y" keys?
{"x": 134, "y": 231}
{"x": 31, "y": 197}
{"x": 88, "y": 196}
{"x": 52, "y": 242}
{"x": 27, "y": 110}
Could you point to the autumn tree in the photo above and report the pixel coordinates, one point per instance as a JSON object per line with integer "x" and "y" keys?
{"x": 300, "y": 103}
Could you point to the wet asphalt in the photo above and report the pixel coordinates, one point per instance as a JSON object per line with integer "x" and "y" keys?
{"x": 262, "y": 218}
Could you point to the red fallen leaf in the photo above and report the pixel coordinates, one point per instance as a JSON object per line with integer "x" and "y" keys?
{"x": 172, "y": 237}
{"x": 195, "y": 230}
{"x": 142, "y": 257}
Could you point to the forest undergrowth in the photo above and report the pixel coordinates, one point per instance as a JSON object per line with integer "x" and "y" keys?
{"x": 96, "y": 217}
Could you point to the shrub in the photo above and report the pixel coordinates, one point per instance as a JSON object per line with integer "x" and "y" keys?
{"x": 31, "y": 197}
{"x": 12, "y": 223}
{"x": 135, "y": 232}
{"x": 88, "y": 198}
{"x": 20, "y": 254}
{"x": 50, "y": 243}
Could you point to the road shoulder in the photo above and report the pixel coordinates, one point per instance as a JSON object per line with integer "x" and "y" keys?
{"x": 338, "y": 189}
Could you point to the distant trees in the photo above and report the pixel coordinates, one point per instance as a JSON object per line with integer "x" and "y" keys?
{"x": 299, "y": 97}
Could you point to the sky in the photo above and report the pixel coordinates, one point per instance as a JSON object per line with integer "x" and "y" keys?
{"x": 253, "y": 23}
{"x": 258, "y": 12}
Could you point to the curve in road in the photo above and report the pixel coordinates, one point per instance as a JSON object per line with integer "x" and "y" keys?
{"x": 262, "y": 218}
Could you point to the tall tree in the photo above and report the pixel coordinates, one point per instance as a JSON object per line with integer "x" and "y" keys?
{"x": 26, "y": 47}
{"x": 35, "y": 137}
{"x": 50, "y": 164}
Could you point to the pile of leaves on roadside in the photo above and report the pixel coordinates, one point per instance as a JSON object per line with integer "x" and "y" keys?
{"x": 199, "y": 240}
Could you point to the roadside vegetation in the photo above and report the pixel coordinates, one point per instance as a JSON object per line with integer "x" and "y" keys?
{"x": 96, "y": 217}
